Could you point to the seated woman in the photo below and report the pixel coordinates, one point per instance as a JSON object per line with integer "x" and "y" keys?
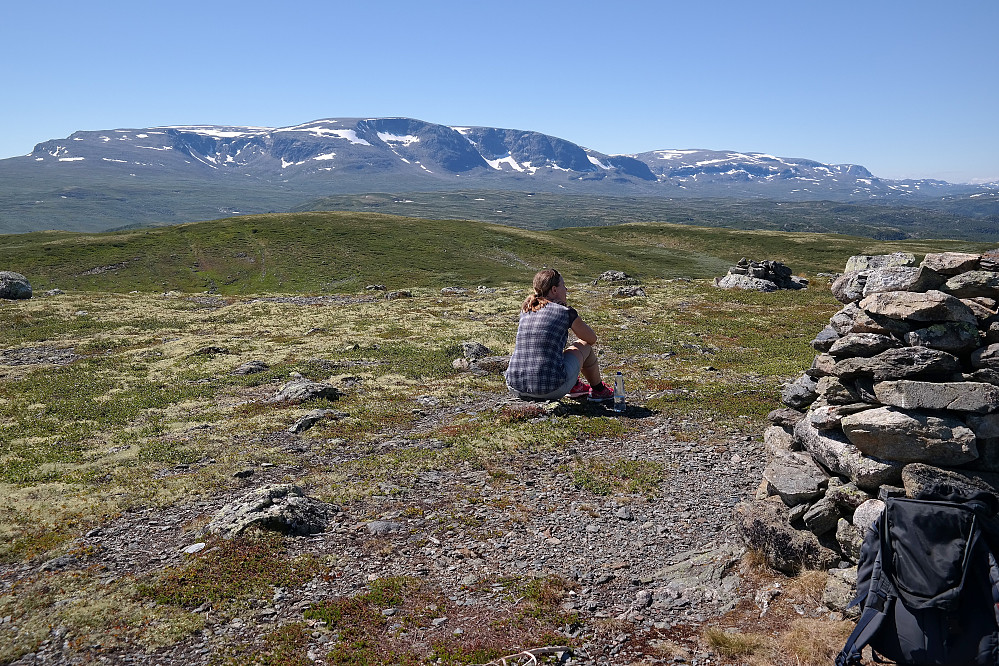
{"x": 542, "y": 367}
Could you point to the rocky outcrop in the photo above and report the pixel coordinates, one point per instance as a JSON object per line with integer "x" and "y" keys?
{"x": 903, "y": 393}
{"x": 283, "y": 508}
{"x": 14, "y": 286}
{"x": 300, "y": 389}
{"x": 760, "y": 276}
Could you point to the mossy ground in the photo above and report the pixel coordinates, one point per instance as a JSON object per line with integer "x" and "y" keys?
{"x": 153, "y": 391}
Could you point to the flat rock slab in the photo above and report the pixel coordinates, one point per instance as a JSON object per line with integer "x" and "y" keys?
{"x": 930, "y": 306}
{"x": 283, "y": 508}
{"x": 796, "y": 478}
{"x": 972, "y": 284}
{"x": 959, "y": 396}
{"x": 906, "y": 437}
{"x": 902, "y": 363}
{"x": 956, "y": 337}
{"x": 863, "y": 262}
{"x": 863, "y": 345}
{"x": 833, "y": 450}
{"x": 951, "y": 263}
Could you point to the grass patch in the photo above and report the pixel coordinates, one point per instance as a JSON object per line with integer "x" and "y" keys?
{"x": 230, "y": 571}
{"x": 605, "y": 477}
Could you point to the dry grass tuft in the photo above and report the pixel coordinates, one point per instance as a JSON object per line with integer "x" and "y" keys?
{"x": 734, "y": 643}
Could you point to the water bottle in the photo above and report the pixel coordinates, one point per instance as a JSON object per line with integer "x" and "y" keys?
{"x": 619, "y": 403}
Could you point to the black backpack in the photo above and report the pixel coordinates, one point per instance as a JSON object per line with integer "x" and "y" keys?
{"x": 929, "y": 583}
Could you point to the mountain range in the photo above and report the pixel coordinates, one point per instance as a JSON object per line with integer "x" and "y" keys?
{"x": 96, "y": 180}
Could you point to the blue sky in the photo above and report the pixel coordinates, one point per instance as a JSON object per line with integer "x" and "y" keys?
{"x": 905, "y": 88}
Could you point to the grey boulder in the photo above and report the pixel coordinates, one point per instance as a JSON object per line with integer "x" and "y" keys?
{"x": 975, "y": 397}
{"x": 14, "y": 286}
{"x": 889, "y": 433}
{"x": 836, "y": 453}
{"x": 301, "y": 390}
{"x": 283, "y": 508}
{"x": 795, "y": 478}
{"x": 765, "y": 527}
{"x": 930, "y": 306}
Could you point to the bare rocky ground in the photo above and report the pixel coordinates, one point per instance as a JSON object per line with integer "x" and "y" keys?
{"x": 648, "y": 573}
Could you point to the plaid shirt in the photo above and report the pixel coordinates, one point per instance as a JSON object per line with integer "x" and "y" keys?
{"x": 536, "y": 366}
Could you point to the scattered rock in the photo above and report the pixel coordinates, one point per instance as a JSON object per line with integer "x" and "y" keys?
{"x": 283, "y": 508}
{"x": 14, "y": 286}
{"x": 251, "y": 367}
{"x": 314, "y": 417}
{"x": 628, "y": 292}
{"x": 301, "y": 389}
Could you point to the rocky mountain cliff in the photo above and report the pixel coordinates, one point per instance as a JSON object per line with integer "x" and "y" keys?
{"x": 105, "y": 178}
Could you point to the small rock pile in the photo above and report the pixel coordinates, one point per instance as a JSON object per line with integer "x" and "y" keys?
{"x": 760, "y": 276}
{"x": 904, "y": 393}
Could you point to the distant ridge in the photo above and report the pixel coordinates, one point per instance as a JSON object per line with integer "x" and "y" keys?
{"x": 95, "y": 180}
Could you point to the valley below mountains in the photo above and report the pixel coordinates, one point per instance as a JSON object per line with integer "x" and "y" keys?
{"x": 106, "y": 179}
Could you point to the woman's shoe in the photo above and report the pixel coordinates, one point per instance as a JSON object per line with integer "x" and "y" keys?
{"x": 601, "y": 392}
{"x": 580, "y": 390}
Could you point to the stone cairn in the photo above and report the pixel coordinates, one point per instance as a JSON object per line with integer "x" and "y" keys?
{"x": 904, "y": 392}
{"x": 760, "y": 276}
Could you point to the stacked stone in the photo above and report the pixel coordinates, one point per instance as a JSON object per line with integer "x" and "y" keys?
{"x": 904, "y": 392}
{"x": 760, "y": 276}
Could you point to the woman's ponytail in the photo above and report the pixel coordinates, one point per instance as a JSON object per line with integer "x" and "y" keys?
{"x": 544, "y": 282}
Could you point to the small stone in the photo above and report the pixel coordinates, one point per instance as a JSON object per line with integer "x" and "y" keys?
{"x": 194, "y": 548}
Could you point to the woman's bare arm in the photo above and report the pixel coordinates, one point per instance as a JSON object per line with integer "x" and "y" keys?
{"x": 583, "y": 331}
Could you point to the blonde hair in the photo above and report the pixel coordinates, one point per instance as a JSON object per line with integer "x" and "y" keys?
{"x": 544, "y": 281}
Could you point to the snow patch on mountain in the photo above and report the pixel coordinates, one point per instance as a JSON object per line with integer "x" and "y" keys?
{"x": 405, "y": 140}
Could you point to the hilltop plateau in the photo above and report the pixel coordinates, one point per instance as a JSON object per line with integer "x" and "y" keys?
{"x": 141, "y": 393}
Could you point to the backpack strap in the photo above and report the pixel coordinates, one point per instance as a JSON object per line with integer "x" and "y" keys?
{"x": 868, "y": 625}
{"x": 877, "y": 604}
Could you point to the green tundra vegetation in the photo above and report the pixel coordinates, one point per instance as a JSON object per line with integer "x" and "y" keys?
{"x": 148, "y": 413}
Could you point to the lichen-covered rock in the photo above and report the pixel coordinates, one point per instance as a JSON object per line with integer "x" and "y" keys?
{"x": 889, "y": 433}
{"x": 902, "y": 363}
{"x": 251, "y": 367}
{"x": 283, "y": 508}
{"x": 917, "y": 477}
{"x": 821, "y": 517}
{"x": 972, "y": 284}
{"x": 864, "y": 262}
{"x": 795, "y": 478}
{"x": 978, "y": 397}
{"x": 836, "y": 453}
{"x": 745, "y": 282}
{"x": 930, "y": 306}
{"x": 954, "y": 337}
{"x": 863, "y": 345}
{"x": 799, "y": 393}
{"x": 951, "y": 263}
{"x": 892, "y": 278}
{"x": 868, "y": 512}
{"x": 14, "y": 286}
{"x": 301, "y": 389}
{"x": 849, "y": 287}
{"x": 764, "y": 526}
